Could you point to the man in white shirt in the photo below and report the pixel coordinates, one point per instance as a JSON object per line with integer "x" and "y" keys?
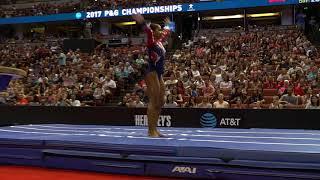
{"x": 109, "y": 83}
{"x": 139, "y": 103}
{"x": 195, "y": 72}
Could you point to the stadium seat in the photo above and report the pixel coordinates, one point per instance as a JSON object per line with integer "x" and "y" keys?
{"x": 270, "y": 92}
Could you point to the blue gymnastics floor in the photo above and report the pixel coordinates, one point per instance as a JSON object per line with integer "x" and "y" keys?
{"x": 185, "y": 152}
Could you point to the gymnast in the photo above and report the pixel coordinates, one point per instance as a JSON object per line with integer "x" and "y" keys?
{"x": 154, "y": 80}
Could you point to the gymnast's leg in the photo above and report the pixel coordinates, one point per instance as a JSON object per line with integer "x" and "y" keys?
{"x": 162, "y": 99}
{"x": 153, "y": 88}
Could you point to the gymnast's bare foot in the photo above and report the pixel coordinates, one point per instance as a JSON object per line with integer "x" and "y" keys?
{"x": 153, "y": 134}
{"x": 160, "y": 135}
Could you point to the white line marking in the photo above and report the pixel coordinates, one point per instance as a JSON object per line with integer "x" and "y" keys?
{"x": 223, "y": 141}
{"x": 58, "y": 130}
{"x": 255, "y": 132}
{"x": 249, "y": 142}
{"x": 249, "y": 137}
{"x": 150, "y": 138}
{"x": 62, "y": 134}
{"x": 126, "y": 129}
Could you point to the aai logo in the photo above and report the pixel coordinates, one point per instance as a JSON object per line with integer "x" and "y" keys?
{"x": 208, "y": 120}
{"x": 184, "y": 169}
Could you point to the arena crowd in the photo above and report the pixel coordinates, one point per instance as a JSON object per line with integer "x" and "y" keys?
{"x": 274, "y": 67}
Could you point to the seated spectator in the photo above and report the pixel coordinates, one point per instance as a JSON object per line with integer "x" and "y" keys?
{"x": 314, "y": 103}
{"x": 3, "y": 98}
{"x": 270, "y": 83}
{"x": 172, "y": 81}
{"x": 221, "y": 103}
{"x": 62, "y": 59}
{"x": 208, "y": 89}
{"x": 124, "y": 102}
{"x": 284, "y": 87}
{"x": 139, "y": 103}
{"x": 131, "y": 103}
{"x": 170, "y": 102}
{"x": 109, "y": 84}
{"x": 199, "y": 82}
{"x": 255, "y": 97}
{"x": 226, "y": 83}
{"x": 74, "y": 102}
{"x": 218, "y": 76}
{"x": 298, "y": 89}
{"x": 195, "y": 71}
{"x": 239, "y": 104}
{"x": 192, "y": 92}
{"x": 205, "y": 103}
{"x": 289, "y": 97}
{"x": 62, "y": 101}
{"x": 242, "y": 80}
{"x": 22, "y": 100}
{"x": 237, "y": 94}
{"x": 257, "y": 105}
{"x": 283, "y": 75}
{"x": 307, "y": 97}
{"x": 99, "y": 93}
{"x": 275, "y": 103}
{"x": 180, "y": 88}
{"x": 191, "y": 103}
{"x": 178, "y": 97}
{"x": 187, "y": 83}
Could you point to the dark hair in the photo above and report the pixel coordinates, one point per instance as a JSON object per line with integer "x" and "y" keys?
{"x": 317, "y": 103}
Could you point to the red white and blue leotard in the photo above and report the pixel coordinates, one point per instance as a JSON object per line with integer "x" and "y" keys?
{"x": 156, "y": 50}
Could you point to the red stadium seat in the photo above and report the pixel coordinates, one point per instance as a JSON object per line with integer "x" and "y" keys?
{"x": 268, "y": 99}
{"x": 270, "y": 92}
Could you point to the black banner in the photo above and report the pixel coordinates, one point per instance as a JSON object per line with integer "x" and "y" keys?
{"x": 193, "y": 118}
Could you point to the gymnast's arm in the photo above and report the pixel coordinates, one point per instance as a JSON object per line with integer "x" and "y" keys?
{"x": 140, "y": 19}
{"x": 166, "y": 31}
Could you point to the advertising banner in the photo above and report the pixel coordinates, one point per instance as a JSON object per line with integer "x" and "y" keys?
{"x": 188, "y": 7}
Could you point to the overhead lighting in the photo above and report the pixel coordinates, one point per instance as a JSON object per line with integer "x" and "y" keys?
{"x": 127, "y": 23}
{"x": 239, "y": 16}
{"x": 263, "y": 15}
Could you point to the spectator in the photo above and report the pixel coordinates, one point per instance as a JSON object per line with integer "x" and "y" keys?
{"x": 275, "y": 103}
{"x": 289, "y": 97}
{"x": 226, "y": 83}
{"x": 221, "y": 103}
{"x": 236, "y": 95}
{"x": 74, "y": 101}
{"x": 132, "y": 103}
{"x": 314, "y": 103}
{"x": 208, "y": 89}
{"x": 239, "y": 104}
{"x": 62, "y": 59}
{"x": 178, "y": 97}
{"x": 180, "y": 88}
{"x": 170, "y": 102}
{"x": 205, "y": 103}
{"x": 255, "y": 97}
{"x": 124, "y": 102}
{"x": 139, "y": 103}
{"x": 191, "y": 103}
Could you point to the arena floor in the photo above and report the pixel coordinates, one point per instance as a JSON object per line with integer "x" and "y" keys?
{"x": 185, "y": 152}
